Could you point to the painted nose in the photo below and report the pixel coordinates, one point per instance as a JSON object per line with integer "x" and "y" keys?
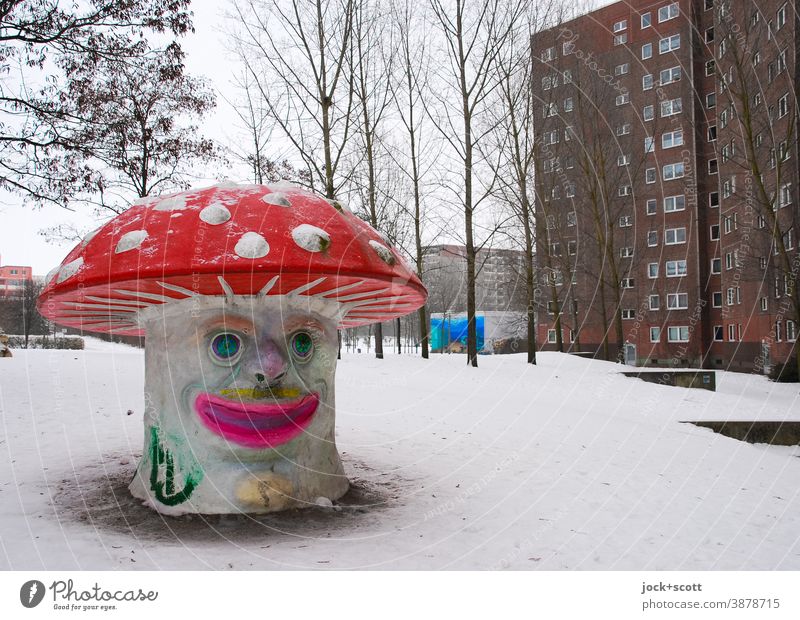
{"x": 270, "y": 365}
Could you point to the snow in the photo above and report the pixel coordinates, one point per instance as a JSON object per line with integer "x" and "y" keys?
{"x": 251, "y": 245}
{"x": 311, "y": 238}
{"x": 565, "y": 465}
{"x": 70, "y": 269}
{"x": 215, "y": 214}
{"x": 130, "y": 241}
{"x": 382, "y": 251}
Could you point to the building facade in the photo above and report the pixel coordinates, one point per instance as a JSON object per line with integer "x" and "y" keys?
{"x": 666, "y": 183}
{"x": 13, "y": 279}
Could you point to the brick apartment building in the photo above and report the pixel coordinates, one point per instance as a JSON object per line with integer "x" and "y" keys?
{"x": 13, "y": 278}
{"x": 667, "y": 182}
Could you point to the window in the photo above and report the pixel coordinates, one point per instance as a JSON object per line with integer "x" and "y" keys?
{"x": 714, "y": 232}
{"x": 762, "y": 262}
{"x": 732, "y": 332}
{"x": 655, "y": 302}
{"x": 716, "y": 299}
{"x": 647, "y": 51}
{"x": 728, "y": 260}
{"x": 624, "y": 190}
{"x": 723, "y": 118}
{"x": 674, "y": 236}
{"x": 669, "y": 44}
{"x": 756, "y": 58}
{"x": 730, "y": 296}
{"x": 716, "y": 266}
{"x": 568, "y": 104}
{"x": 628, "y": 314}
{"x": 667, "y": 76}
{"x": 567, "y": 48}
{"x": 671, "y": 107}
{"x": 649, "y": 144}
{"x": 764, "y": 304}
{"x": 713, "y": 199}
{"x": 625, "y": 221}
{"x": 652, "y": 270}
{"x": 728, "y": 187}
{"x": 646, "y": 20}
{"x": 620, "y": 25}
{"x": 624, "y": 130}
{"x": 551, "y": 137}
{"x": 674, "y": 203}
{"x": 713, "y": 168}
{"x": 647, "y": 81}
{"x": 550, "y": 109}
{"x": 623, "y": 99}
{"x": 626, "y": 252}
{"x": 712, "y": 133}
{"x": 569, "y": 189}
{"x": 627, "y": 283}
{"x": 551, "y": 336}
{"x": 549, "y": 82}
{"x": 648, "y": 112}
{"x": 782, "y": 61}
{"x": 650, "y": 175}
{"x": 780, "y": 18}
{"x": 571, "y": 218}
{"x": 783, "y": 105}
{"x": 567, "y": 76}
{"x": 791, "y": 331}
{"x": 677, "y": 301}
{"x": 711, "y": 67}
{"x": 676, "y": 268}
{"x": 672, "y": 139}
{"x": 668, "y": 12}
{"x": 555, "y": 249}
{"x": 709, "y": 35}
{"x": 572, "y": 248}
{"x": 672, "y": 171}
{"x": 651, "y": 206}
{"x": 652, "y": 238}
{"x": 788, "y": 239}
{"x": 622, "y": 69}
{"x": 548, "y": 54}
{"x": 718, "y": 333}
{"x": 655, "y": 334}
{"x": 623, "y": 160}
{"x": 678, "y": 334}
{"x": 711, "y": 100}
{"x": 619, "y": 39}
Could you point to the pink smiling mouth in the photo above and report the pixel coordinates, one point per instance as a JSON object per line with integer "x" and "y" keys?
{"x": 256, "y": 425}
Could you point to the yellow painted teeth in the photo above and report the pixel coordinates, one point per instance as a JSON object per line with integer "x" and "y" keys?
{"x": 259, "y": 393}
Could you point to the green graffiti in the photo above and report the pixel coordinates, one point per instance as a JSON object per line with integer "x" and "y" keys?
{"x": 165, "y": 491}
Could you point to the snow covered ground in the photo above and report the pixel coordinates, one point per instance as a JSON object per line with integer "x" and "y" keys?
{"x": 566, "y": 465}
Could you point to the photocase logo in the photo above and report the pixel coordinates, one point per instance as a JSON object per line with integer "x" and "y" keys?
{"x": 31, "y": 593}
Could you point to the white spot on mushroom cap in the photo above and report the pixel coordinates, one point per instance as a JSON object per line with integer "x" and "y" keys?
{"x": 276, "y": 198}
{"x": 89, "y": 236}
{"x": 215, "y": 214}
{"x": 130, "y": 241}
{"x": 173, "y": 203}
{"x": 382, "y": 251}
{"x": 50, "y": 275}
{"x": 311, "y": 238}
{"x": 251, "y": 245}
{"x": 70, "y": 269}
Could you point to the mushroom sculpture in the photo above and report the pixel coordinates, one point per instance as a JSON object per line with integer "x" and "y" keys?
{"x": 239, "y": 291}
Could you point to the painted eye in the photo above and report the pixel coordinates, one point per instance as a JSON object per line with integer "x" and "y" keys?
{"x": 226, "y": 346}
{"x": 302, "y": 345}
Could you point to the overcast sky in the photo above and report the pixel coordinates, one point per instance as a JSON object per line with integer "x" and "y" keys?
{"x": 20, "y": 243}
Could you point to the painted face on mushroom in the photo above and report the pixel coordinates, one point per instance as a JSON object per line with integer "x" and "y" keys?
{"x": 239, "y": 292}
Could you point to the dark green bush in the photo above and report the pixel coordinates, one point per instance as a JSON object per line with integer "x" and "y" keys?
{"x": 785, "y": 373}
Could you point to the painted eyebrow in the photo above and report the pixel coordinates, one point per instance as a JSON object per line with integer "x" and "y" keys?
{"x": 295, "y": 323}
{"x": 227, "y": 321}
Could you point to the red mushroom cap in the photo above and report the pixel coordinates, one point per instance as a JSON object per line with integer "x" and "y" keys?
{"x": 229, "y": 240}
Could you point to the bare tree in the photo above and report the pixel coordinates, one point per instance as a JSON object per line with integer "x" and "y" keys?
{"x": 297, "y": 54}
{"x": 473, "y": 36}
{"x": 413, "y": 60}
